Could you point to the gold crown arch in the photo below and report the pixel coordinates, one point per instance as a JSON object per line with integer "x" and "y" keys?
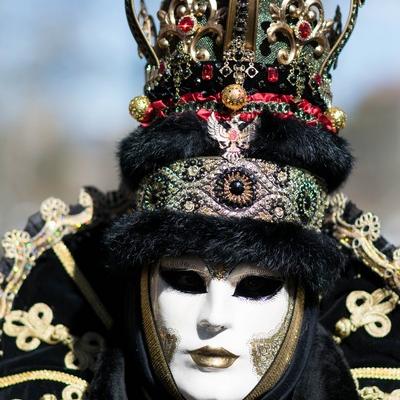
{"x": 243, "y": 36}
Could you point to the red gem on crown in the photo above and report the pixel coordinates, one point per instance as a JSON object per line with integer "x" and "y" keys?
{"x": 304, "y": 30}
{"x": 186, "y": 24}
{"x": 272, "y": 74}
{"x": 208, "y": 72}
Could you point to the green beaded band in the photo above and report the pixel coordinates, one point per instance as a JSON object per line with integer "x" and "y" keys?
{"x": 248, "y": 188}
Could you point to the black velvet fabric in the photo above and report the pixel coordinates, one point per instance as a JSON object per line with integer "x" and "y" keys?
{"x": 110, "y": 380}
{"x": 142, "y": 238}
{"x": 327, "y": 375}
{"x": 288, "y": 142}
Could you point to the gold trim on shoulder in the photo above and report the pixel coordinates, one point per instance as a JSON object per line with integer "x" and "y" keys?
{"x": 369, "y": 311}
{"x": 360, "y": 237}
{"x": 43, "y": 375}
{"x": 25, "y": 250}
{"x": 35, "y": 326}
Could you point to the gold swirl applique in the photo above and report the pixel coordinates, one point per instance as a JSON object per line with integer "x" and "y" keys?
{"x": 311, "y": 28}
{"x": 71, "y": 392}
{"x": 368, "y": 311}
{"x": 182, "y": 24}
{"x": 35, "y": 327}
{"x": 360, "y": 238}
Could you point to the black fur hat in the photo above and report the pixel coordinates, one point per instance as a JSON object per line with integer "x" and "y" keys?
{"x": 287, "y": 142}
{"x": 142, "y": 238}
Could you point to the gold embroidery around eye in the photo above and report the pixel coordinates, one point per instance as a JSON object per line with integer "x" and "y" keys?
{"x": 264, "y": 350}
{"x": 369, "y": 311}
{"x": 169, "y": 341}
{"x": 34, "y": 327}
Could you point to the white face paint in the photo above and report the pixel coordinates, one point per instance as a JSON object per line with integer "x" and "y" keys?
{"x": 214, "y": 321}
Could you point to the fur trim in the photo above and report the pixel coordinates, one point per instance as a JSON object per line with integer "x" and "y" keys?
{"x": 143, "y": 238}
{"x": 288, "y": 142}
{"x": 292, "y": 142}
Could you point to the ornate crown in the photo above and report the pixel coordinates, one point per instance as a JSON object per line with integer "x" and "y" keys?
{"x": 230, "y": 57}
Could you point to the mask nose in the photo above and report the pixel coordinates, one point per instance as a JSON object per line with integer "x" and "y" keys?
{"x": 214, "y": 317}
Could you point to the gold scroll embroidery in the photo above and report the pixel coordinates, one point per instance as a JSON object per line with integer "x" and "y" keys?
{"x": 35, "y": 326}
{"x": 71, "y": 392}
{"x": 368, "y": 311}
{"x": 360, "y": 238}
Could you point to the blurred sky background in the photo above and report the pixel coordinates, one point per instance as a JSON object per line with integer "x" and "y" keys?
{"x": 69, "y": 68}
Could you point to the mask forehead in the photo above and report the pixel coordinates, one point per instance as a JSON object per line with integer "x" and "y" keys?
{"x": 216, "y": 270}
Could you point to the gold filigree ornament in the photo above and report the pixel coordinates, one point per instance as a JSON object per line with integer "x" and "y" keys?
{"x": 35, "y": 327}
{"x": 369, "y": 311}
{"x": 360, "y": 238}
{"x": 182, "y": 22}
{"x": 302, "y": 23}
{"x": 25, "y": 250}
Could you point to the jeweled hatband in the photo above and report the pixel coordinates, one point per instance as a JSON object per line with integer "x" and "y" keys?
{"x": 248, "y": 188}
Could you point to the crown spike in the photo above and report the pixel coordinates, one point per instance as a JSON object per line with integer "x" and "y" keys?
{"x": 143, "y": 30}
{"x": 343, "y": 38}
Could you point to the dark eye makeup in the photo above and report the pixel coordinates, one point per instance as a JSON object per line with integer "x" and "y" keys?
{"x": 250, "y": 287}
{"x": 258, "y": 287}
{"x": 184, "y": 281}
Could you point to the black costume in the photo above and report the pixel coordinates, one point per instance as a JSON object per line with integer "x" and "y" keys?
{"x": 74, "y": 319}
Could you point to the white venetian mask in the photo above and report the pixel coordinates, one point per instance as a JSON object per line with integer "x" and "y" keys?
{"x": 220, "y": 331}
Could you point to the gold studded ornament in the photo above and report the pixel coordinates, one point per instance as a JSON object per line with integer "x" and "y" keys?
{"x": 138, "y": 107}
{"x": 234, "y": 97}
{"x": 338, "y": 118}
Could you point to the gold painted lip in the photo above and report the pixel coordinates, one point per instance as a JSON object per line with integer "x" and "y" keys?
{"x": 213, "y": 357}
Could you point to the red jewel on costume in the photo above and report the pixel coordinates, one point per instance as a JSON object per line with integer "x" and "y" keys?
{"x": 272, "y": 74}
{"x": 208, "y": 72}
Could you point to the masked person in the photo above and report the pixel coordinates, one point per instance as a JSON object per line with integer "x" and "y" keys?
{"x": 224, "y": 267}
